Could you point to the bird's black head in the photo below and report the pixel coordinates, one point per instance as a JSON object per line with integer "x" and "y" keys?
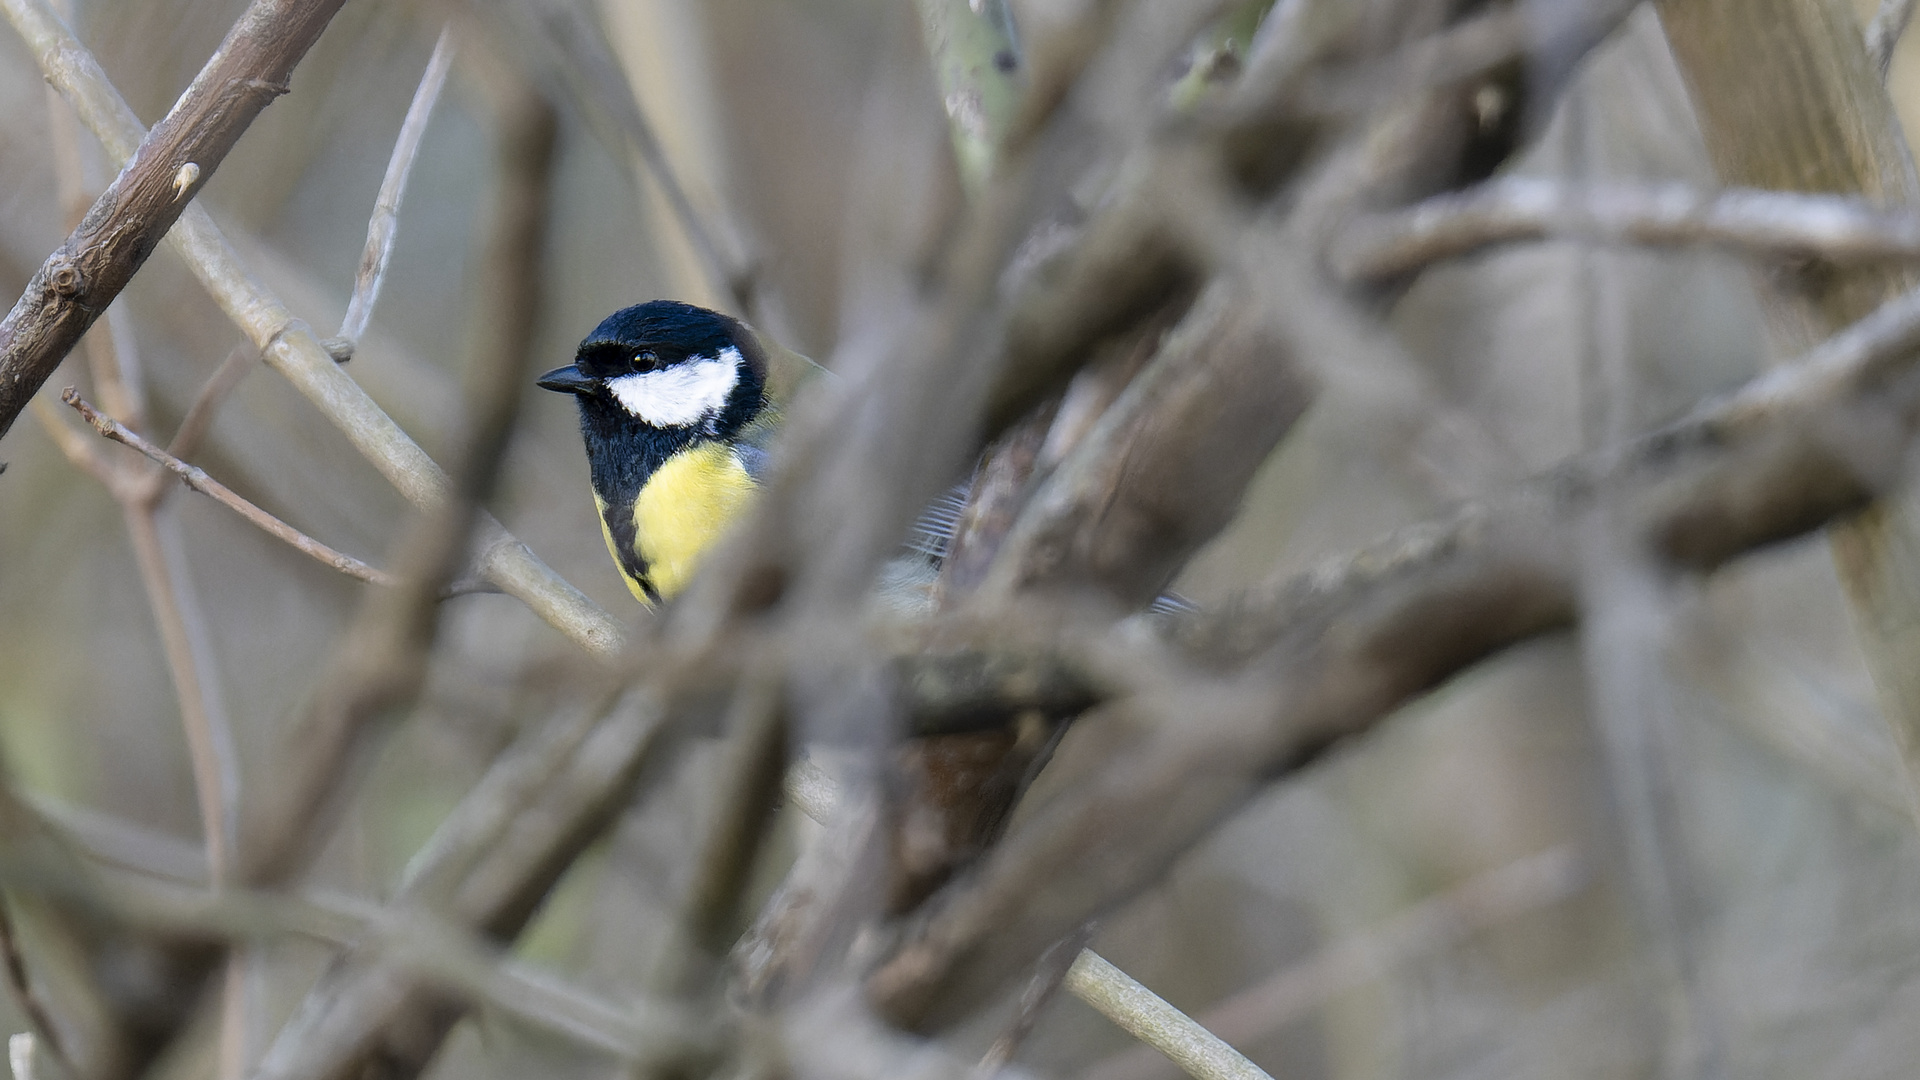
{"x": 656, "y": 378}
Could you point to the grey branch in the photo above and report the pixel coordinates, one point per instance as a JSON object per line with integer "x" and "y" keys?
{"x": 385, "y": 223}
{"x": 1330, "y": 654}
{"x": 1883, "y": 33}
{"x": 85, "y": 273}
{"x": 290, "y": 347}
{"x": 1775, "y": 223}
{"x": 197, "y": 479}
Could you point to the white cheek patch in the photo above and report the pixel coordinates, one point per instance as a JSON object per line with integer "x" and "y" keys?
{"x": 686, "y": 394}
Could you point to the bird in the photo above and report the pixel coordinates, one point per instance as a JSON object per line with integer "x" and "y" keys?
{"x": 677, "y": 406}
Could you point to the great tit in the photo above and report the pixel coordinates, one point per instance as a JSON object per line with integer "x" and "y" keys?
{"x": 677, "y": 404}
{"x": 677, "y": 407}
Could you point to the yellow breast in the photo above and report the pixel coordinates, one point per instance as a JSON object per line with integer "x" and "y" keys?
{"x": 681, "y": 510}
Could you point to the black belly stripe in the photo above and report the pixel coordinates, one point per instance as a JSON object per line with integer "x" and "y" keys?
{"x": 626, "y": 547}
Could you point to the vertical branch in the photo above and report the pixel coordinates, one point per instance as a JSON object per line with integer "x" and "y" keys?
{"x": 977, "y": 62}
{"x": 1788, "y": 100}
{"x": 381, "y": 664}
{"x": 385, "y": 222}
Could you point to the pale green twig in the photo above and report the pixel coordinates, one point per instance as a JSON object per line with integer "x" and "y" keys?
{"x": 1147, "y": 1017}
{"x": 977, "y": 63}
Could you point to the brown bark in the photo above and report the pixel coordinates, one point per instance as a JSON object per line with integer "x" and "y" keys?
{"x": 84, "y": 274}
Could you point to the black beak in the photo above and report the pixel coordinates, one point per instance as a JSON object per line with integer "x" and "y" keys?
{"x": 568, "y": 380}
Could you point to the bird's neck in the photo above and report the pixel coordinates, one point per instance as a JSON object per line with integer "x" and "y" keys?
{"x": 623, "y": 452}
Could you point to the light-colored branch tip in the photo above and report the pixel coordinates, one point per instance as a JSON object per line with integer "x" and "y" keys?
{"x": 20, "y": 1055}
{"x": 1146, "y": 1016}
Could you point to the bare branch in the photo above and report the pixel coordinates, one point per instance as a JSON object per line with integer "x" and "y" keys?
{"x": 385, "y": 222}
{"x": 414, "y": 940}
{"x": 1048, "y": 979}
{"x": 1433, "y": 924}
{"x": 1339, "y": 648}
{"x": 290, "y": 347}
{"x": 1883, "y": 33}
{"x": 1781, "y": 224}
{"x": 1147, "y": 1017}
{"x": 978, "y": 66}
{"x": 381, "y": 661}
{"x": 197, "y": 479}
{"x": 194, "y": 426}
{"x": 84, "y": 274}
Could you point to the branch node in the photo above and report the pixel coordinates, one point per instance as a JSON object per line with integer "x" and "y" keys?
{"x": 64, "y": 278}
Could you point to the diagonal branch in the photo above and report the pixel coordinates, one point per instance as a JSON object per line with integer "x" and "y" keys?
{"x": 83, "y": 275}
{"x": 290, "y": 347}
{"x": 1328, "y": 655}
{"x": 197, "y": 479}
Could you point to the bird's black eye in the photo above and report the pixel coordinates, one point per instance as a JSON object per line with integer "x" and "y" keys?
{"x": 647, "y": 360}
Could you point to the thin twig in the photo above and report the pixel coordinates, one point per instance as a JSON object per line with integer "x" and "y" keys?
{"x": 32, "y": 1007}
{"x": 1049, "y": 977}
{"x": 75, "y": 447}
{"x": 1423, "y": 929}
{"x": 1781, "y": 224}
{"x": 197, "y": 479}
{"x": 209, "y": 742}
{"x": 380, "y": 663}
{"x": 82, "y": 276}
{"x": 416, "y": 940}
{"x": 1883, "y": 33}
{"x": 1340, "y": 647}
{"x": 290, "y": 347}
{"x": 384, "y": 224}
{"x": 593, "y": 72}
{"x": 199, "y": 419}
{"x": 1147, "y": 1017}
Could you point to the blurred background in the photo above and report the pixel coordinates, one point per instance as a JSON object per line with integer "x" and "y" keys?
{"x": 1795, "y": 814}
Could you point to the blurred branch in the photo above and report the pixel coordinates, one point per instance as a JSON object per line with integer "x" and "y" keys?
{"x": 1147, "y": 1017}
{"x": 1048, "y": 979}
{"x": 82, "y": 276}
{"x": 381, "y": 661}
{"x": 1437, "y": 923}
{"x": 290, "y": 347}
{"x": 977, "y": 63}
{"x": 1883, "y": 33}
{"x": 1518, "y": 208}
{"x": 744, "y": 793}
{"x": 1788, "y": 98}
{"x": 418, "y": 942}
{"x": 494, "y": 859}
{"x": 488, "y": 866}
{"x": 34, "y": 1010}
{"x": 199, "y": 418}
{"x": 588, "y": 67}
{"x": 197, "y": 479}
{"x": 1333, "y": 652}
{"x": 1162, "y": 470}
{"x": 385, "y": 222}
